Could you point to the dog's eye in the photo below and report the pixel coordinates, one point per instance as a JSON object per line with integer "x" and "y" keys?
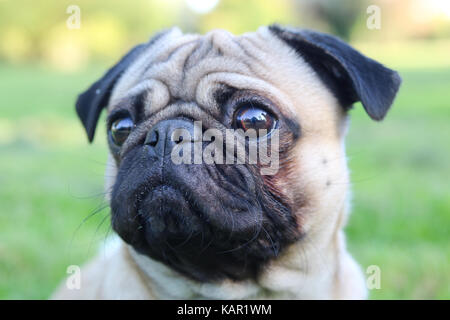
{"x": 120, "y": 130}
{"x": 249, "y": 117}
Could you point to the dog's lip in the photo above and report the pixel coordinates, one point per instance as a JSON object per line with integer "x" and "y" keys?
{"x": 160, "y": 190}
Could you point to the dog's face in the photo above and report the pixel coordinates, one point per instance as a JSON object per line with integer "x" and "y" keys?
{"x": 218, "y": 220}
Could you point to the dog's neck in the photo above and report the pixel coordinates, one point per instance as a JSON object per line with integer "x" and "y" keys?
{"x": 301, "y": 272}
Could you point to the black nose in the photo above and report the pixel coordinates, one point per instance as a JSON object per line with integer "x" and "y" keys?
{"x": 160, "y": 138}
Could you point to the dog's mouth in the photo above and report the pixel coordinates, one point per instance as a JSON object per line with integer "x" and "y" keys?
{"x": 192, "y": 218}
{"x": 168, "y": 216}
{"x": 174, "y": 229}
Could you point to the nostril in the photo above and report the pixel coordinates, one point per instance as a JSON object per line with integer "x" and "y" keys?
{"x": 153, "y": 138}
{"x": 166, "y": 134}
{"x": 179, "y": 140}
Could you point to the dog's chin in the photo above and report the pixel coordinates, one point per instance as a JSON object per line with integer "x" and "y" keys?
{"x": 196, "y": 220}
{"x": 181, "y": 234}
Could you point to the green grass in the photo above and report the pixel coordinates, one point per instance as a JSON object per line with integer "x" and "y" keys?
{"x": 51, "y": 180}
{"x": 400, "y": 172}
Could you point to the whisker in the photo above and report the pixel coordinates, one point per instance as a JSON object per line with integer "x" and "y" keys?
{"x": 96, "y": 230}
{"x": 99, "y": 209}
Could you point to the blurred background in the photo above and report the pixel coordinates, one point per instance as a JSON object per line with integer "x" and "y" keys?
{"x": 52, "y": 212}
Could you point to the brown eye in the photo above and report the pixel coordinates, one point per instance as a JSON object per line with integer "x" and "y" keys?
{"x": 120, "y": 130}
{"x": 254, "y": 118}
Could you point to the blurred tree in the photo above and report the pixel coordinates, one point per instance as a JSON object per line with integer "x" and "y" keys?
{"x": 36, "y": 31}
{"x": 239, "y": 16}
{"x": 340, "y": 16}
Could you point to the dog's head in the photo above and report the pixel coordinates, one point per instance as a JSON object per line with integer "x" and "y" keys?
{"x": 214, "y": 220}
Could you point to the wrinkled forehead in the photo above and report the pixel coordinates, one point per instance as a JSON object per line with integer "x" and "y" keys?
{"x": 192, "y": 68}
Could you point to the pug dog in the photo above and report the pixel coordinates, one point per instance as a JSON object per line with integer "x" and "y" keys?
{"x": 226, "y": 230}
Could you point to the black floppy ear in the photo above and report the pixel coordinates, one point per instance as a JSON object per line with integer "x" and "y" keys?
{"x": 91, "y": 102}
{"x": 350, "y": 75}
